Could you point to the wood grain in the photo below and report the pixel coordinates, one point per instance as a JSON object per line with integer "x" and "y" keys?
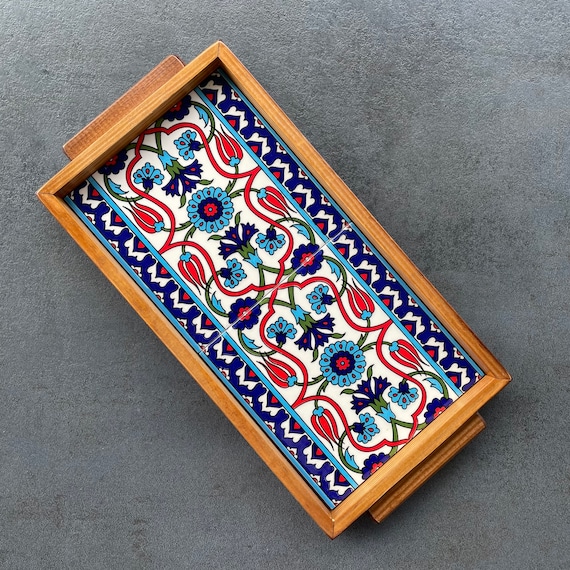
{"x": 419, "y": 458}
{"x": 136, "y": 95}
{"x": 131, "y": 125}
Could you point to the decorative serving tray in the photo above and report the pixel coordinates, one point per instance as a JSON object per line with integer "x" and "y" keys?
{"x": 253, "y": 262}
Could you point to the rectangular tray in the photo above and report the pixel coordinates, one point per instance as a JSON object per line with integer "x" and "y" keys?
{"x": 288, "y": 303}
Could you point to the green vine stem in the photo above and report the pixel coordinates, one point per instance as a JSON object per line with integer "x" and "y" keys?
{"x": 435, "y": 377}
{"x": 342, "y": 457}
{"x": 210, "y": 116}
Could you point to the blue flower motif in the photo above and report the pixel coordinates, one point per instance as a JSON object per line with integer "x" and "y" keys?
{"x": 148, "y": 176}
{"x": 366, "y": 428}
{"x": 166, "y": 159}
{"x": 281, "y": 330}
{"x": 369, "y": 393}
{"x": 244, "y": 313}
{"x": 436, "y": 407}
{"x": 319, "y": 298}
{"x": 233, "y": 273}
{"x": 210, "y": 209}
{"x": 307, "y": 259}
{"x": 342, "y": 363}
{"x": 115, "y": 164}
{"x": 403, "y": 395}
{"x": 271, "y": 241}
{"x": 183, "y": 179}
{"x": 373, "y": 463}
{"x": 253, "y": 259}
{"x": 187, "y": 144}
{"x": 386, "y": 414}
{"x": 299, "y": 313}
{"x": 314, "y": 334}
{"x": 237, "y": 240}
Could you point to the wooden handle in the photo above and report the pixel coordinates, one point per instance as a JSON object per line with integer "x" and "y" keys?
{"x": 418, "y": 476}
{"x": 133, "y": 97}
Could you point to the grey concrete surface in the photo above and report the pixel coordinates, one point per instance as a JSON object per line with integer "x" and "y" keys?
{"x": 451, "y": 122}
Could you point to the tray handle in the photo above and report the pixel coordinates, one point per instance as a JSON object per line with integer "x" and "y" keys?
{"x": 154, "y": 79}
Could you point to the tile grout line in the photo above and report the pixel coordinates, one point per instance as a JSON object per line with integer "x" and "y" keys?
{"x": 276, "y": 285}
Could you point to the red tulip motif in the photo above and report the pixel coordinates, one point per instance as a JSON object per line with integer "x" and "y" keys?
{"x": 148, "y": 219}
{"x": 280, "y": 372}
{"x": 191, "y": 269}
{"x": 405, "y": 353}
{"x": 273, "y": 201}
{"x": 324, "y": 424}
{"x": 360, "y": 302}
{"x": 229, "y": 149}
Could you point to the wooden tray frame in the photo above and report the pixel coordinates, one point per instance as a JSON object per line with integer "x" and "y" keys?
{"x": 426, "y": 452}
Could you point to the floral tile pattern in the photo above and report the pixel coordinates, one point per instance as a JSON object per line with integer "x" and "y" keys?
{"x": 281, "y": 295}
{"x": 178, "y": 302}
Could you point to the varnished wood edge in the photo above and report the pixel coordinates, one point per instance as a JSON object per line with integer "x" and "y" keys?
{"x": 428, "y": 467}
{"x": 415, "y": 452}
{"x": 52, "y": 197}
{"x": 132, "y": 124}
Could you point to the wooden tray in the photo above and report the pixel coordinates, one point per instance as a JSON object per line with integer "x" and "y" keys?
{"x": 271, "y": 283}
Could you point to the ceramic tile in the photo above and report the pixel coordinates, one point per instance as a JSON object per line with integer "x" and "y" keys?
{"x": 227, "y": 102}
{"x": 280, "y": 294}
{"x": 373, "y": 272}
{"x": 329, "y": 218}
{"x": 216, "y": 232}
{"x": 338, "y": 359}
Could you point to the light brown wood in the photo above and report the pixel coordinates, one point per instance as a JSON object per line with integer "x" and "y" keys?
{"x": 154, "y": 79}
{"x": 415, "y": 452}
{"x": 428, "y": 467}
{"x": 421, "y": 456}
